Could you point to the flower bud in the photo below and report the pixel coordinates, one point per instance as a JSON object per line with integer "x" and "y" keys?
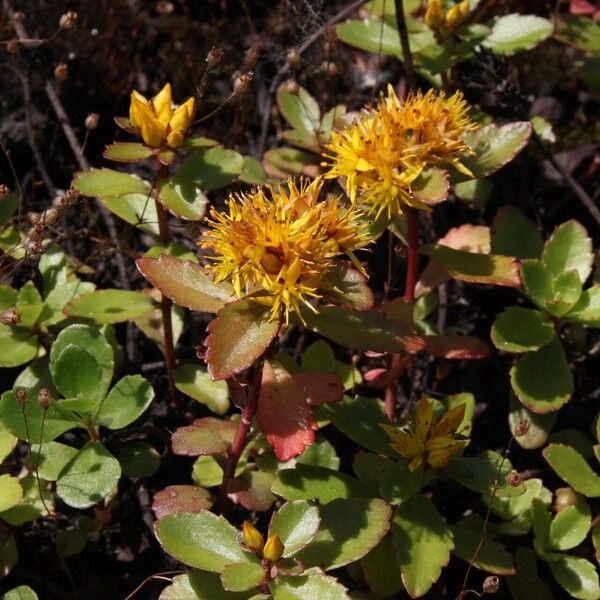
{"x": 21, "y": 395}
{"x": 12, "y": 46}
{"x": 68, "y": 20}
{"x": 457, "y": 15}
{"x": 252, "y": 538}
{"x": 293, "y": 59}
{"x": 44, "y": 398}
{"x": 291, "y": 86}
{"x": 10, "y": 317}
{"x": 91, "y": 121}
{"x": 273, "y": 549}
{"x": 513, "y": 479}
{"x": 439, "y": 458}
{"x": 241, "y": 83}
{"x": 250, "y": 58}
{"x": 175, "y": 139}
{"x": 522, "y": 427}
{"x": 565, "y": 497}
{"x": 491, "y": 584}
{"x": 3, "y": 190}
{"x": 330, "y": 68}
{"x": 434, "y": 15}
{"x": 61, "y": 72}
{"x": 214, "y": 57}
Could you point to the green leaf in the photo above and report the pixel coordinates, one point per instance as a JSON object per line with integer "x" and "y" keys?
{"x": 570, "y": 527}
{"x": 19, "y": 346}
{"x": 50, "y": 459}
{"x": 368, "y": 330}
{"x": 241, "y": 577}
{"x": 520, "y": 329}
{"x": 567, "y": 290}
{"x": 494, "y": 146}
{"x": 381, "y": 570}
{"x": 55, "y": 302}
{"x": 431, "y": 187}
{"x": 423, "y": 542}
{"x": 349, "y": 529}
{"x": 320, "y": 454}
{"x": 283, "y": 162}
{"x": 512, "y": 234}
{"x": 572, "y": 468}
{"x": 311, "y": 585}
{"x": 72, "y": 541}
{"x": 569, "y": 248}
{"x": 7, "y": 443}
{"x": 127, "y": 152}
{"x": 514, "y": 33}
{"x": 579, "y": 31}
{"x": 194, "y": 380}
{"x": 125, "y": 402}
{"x": 306, "y": 482}
{"x": 23, "y": 592}
{"x": 199, "y": 585}
{"x": 32, "y": 505}
{"x": 301, "y": 111}
{"x": 540, "y": 425}
{"x": 537, "y": 282}
{"x": 183, "y": 198}
{"x": 29, "y": 304}
{"x": 475, "y": 193}
{"x": 542, "y": 379}
{"x": 347, "y": 287}
{"x": 473, "y": 267}
{"x": 135, "y": 209}
{"x": 80, "y": 343}
{"x": 88, "y": 477}
{"x": 198, "y": 142}
{"x": 11, "y": 492}
{"x": 319, "y": 358}
{"x": 526, "y": 583}
{"x": 106, "y": 182}
{"x": 8, "y": 206}
{"x": 253, "y": 172}
{"x": 239, "y": 335}
{"x": 369, "y": 468}
{"x": 207, "y": 472}
{"x": 399, "y": 483}
{"x": 360, "y": 419}
{"x": 110, "y": 306}
{"x": 202, "y": 540}
{"x": 54, "y": 421}
{"x": 372, "y": 36}
{"x": 9, "y": 557}
{"x": 510, "y": 508}
{"x": 587, "y": 308}
{"x": 186, "y": 283}
{"x": 252, "y": 490}
{"x": 139, "y": 459}
{"x": 491, "y": 556}
{"x": 212, "y": 169}
{"x": 296, "y": 523}
{"x": 577, "y": 576}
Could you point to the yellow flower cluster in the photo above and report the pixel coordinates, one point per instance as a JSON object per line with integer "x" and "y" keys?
{"x": 157, "y": 122}
{"x": 428, "y": 439}
{"x": 445, "y": 23}
{"x": 272, "y": 550}
{"x": 277, "y": 244}
{"x": 382, "y": 153}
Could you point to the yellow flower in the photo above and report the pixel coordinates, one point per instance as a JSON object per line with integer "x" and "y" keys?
{"x": 273, "y": 549}
{"x": 428, "y": 439}
{"x": 157, "y": 122}
{"x": 278, "y": 243}
{"x": 386, "y": 148}
{"x": 252, "y": 538}
{"x": 456, "y": 16}
{"x": 434, "y": 15}
{"x": 446, "y": 24}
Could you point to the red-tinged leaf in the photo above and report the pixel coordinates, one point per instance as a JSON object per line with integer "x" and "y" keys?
{"x": 239, "y": 335}
{"x": 458, "y": 347}
{"x": 367, "y": 330}
{"x": 126, "y": 124}
{"x": 376, "y": 377}
{"x": 431, "y": 186}
{"x": 186, "y": 283}
{"x": 181, "y": 498}
{"x": 127, "y": 152}
{"x": 207, "y": 436}
{"x": 471, "y": 238}
{"x": 283, "y": 413}
{"x": 347, "y": 287}
{"x": 319, "y": 388}
{"x": 493, "y": 269}
{"x": 252, "y": 490}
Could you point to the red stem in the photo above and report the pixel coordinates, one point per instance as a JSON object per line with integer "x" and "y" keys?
{"x": 241, "y": 435}
{"x": 412, "y": 259}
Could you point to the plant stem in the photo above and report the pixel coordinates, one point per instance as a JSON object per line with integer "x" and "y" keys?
{"x": 409, "y": 66}
{"x": 165, "y": 305}
{"x": 412, "y": 258}
{"x": 390, "y": 388}
{"x": 241, "y": 435}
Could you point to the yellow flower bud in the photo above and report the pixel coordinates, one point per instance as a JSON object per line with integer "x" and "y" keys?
{"x": 457, "y": 15}
{"x": 434, "y": 15}
{"x": 273, "y": 549}
{"x": 439, "y": 458}
{"x": 174, "y": 139}
{"x": 252, "y": 537}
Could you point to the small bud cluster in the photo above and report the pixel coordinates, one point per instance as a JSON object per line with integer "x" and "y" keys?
{"x": 68, "y": 20}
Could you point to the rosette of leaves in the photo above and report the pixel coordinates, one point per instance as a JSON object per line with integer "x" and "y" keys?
{"x": 553, "y": 275}
{"x": 312, "y": 541}
{"x": 77, "y": 375}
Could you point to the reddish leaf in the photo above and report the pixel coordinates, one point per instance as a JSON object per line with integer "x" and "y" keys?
{"x": 237, "y": 337}
{"x": 207, "y": 436}
{"x": 181, "y": 498}
{"x": 252, "y": 490}
{"x": 283, "y": 413}
{"x": 319, "y": 388}
{"x": 376, "y": 377}
{"x": 186, "y": 283}
{"x": 458, "y": 347}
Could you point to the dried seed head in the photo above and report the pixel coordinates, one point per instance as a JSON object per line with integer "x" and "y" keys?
{"x": 12, "y": 46}
{"x": 68, "y": 20}
{"x": 491, "y": 584}
{"x": 241, "y": 82}
{"x": 291, "y": 86}
{"x": 44, "y": 398}
{"x": 293, "y": 59}
{"x": 164, "y": 7}
{"x": 91, "y": 121}
{"x": 330, "y": 68}
{"x": 250, "y": 58}
{"x": 19, "y": 16}
{"x": 522, "y": 427}
{"x": 565, "y": 497}
{"x": 10, "y": 317}
{"x": 21, "y": 395}
{"x": 513, "y": 479}
{"x": 61, "y": 72}
{"x": 214, "y": 57}
{"x": 3, "y": 190}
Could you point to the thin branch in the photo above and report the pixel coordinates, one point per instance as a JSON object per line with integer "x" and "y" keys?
{"x": 407, "y": 58}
